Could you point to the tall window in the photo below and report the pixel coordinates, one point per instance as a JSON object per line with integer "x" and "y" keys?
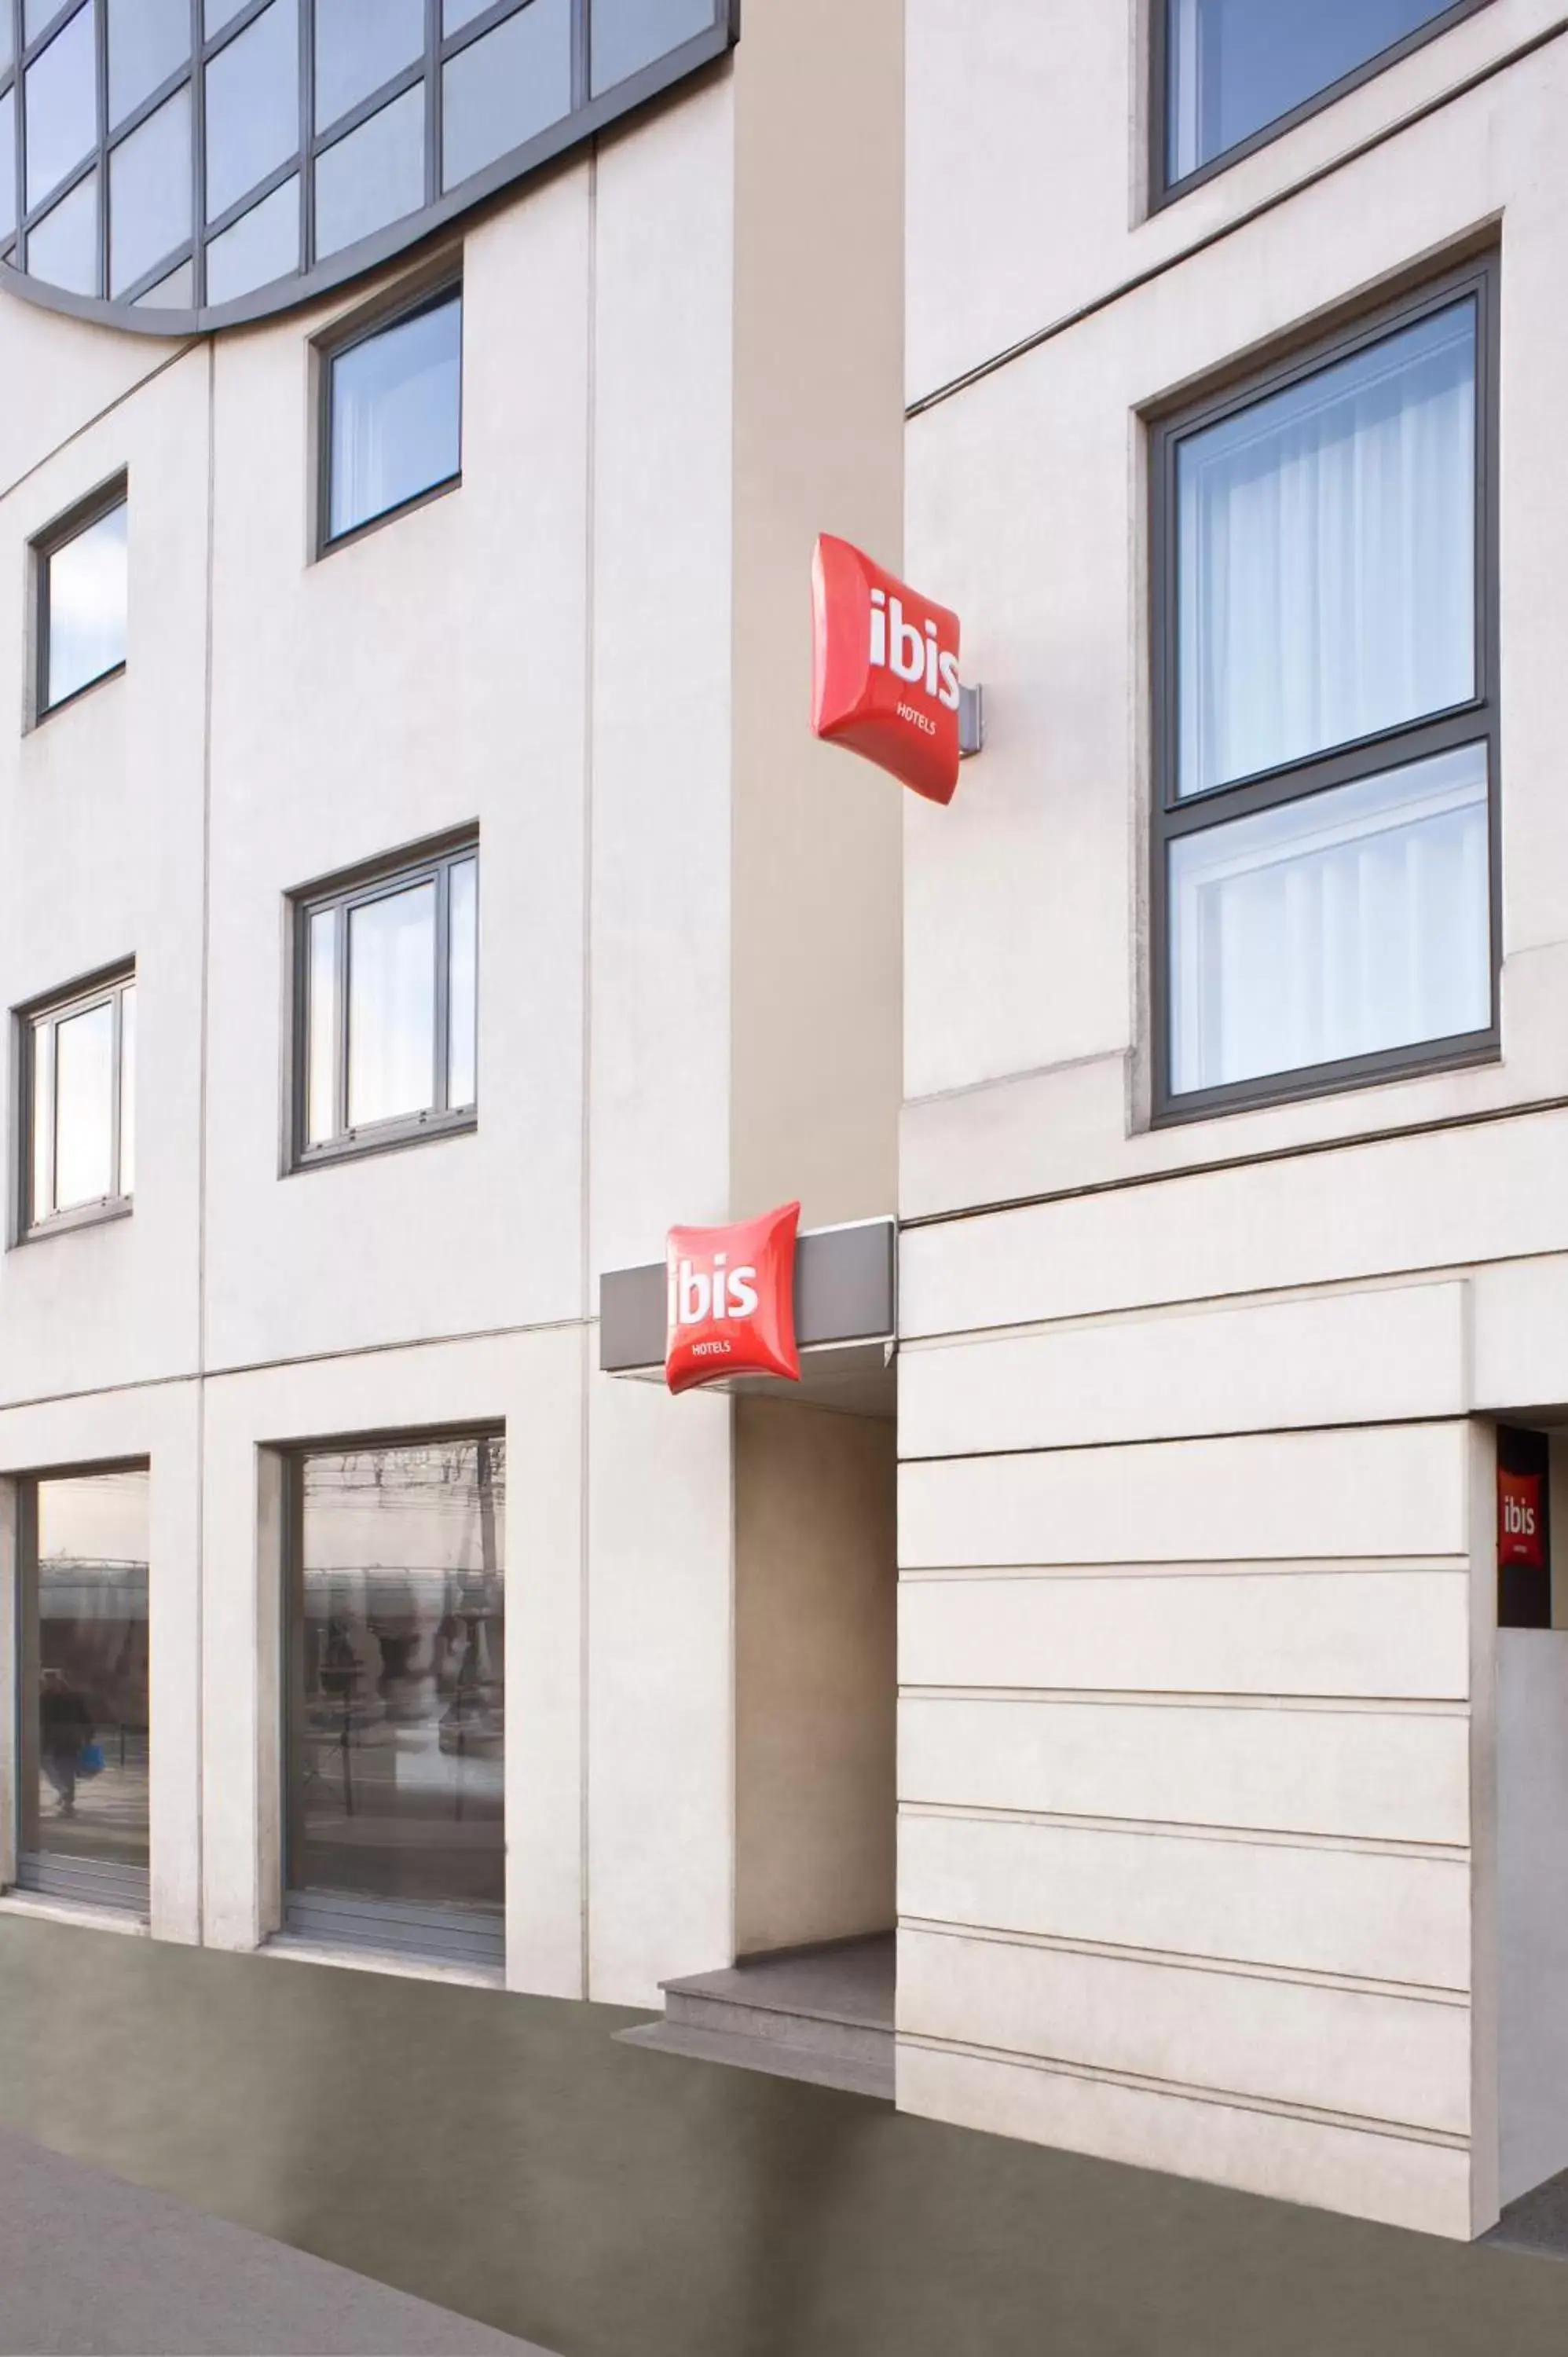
{"x": 1236, "y": 72}
{"x": 82, "y": 1649}
{"x": 393, "y": 432}
{"x": 387, "y": 987}
{"x": 82, "y": 585}
{"x": 1326, "y": 736}
{"x": 397, "y": 1696}
{"x": 80, "y": 1103}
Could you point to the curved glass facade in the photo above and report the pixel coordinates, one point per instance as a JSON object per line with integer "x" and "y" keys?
{"x": 175, "y": 163}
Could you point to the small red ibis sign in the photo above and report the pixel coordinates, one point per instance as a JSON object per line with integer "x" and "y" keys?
{"x": 732, "y": 1301}
{"x": 886, "y": 679}
{"x": 1519, "y": 1533}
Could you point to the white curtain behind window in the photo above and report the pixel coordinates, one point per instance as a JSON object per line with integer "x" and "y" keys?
{"x": 1327, "y": 557}
{"x": 1349, "y": 922}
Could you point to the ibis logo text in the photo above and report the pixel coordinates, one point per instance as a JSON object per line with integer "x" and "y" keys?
{"x": 912, "y": 655}
{"x": 1522, "y": 1534}
{"x": 731, "y": 1300}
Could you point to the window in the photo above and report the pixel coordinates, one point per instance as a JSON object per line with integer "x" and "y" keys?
{"x": 1229, "y": 74}
{"x": 387, "y": 989}
{"x": 79, "y": 1067}
{"x": 237, "y": 156}
{"x": 82, "y": 1648}
{"x": 1324, "y": 836}
{"x": 83, "y": 597}
{"x": 396, "y": 1715}
{"x": 393, "y": 429}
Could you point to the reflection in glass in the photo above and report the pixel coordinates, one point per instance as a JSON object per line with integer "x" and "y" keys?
{"x": 629, "y": 34}
{"x": 373, "y": 177}
{"x": 321, "y": 1060}
{"x": 84, "y": 1108}
{"x": 463, "y": 998}
{"x": 262, "y": 244}
{"x": 216, "y": 13}
{"x": 1236, "y": 66}
{"x": 458, "y": 12}
{"x": 1344, "y": 923}
{"x": 508, "y": 85}
{"x": 62, "y": 248}
{"x": 396, "y": 414}
{"x": 7, "y": 46}
{"x": 85, "y": 599}
{"x": 149, "y": 192}
{"x": 391, "y": 1005}
{"x": 148, "y": 40}
{"x": 174, "y": 293}
{"x": 7, "y": 161}
{"x": 1326, "y": 564}
{"x": 62, "y": 106}
{"x": 360, "y": 43}
{"x": 398, "y": 1705}
{"x": 84, "y": 1789}
{"x": 253, "y": 105}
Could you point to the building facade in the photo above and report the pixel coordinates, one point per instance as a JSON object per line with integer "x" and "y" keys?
{"x": 1231, "y": 1165}
{"x": 420, "y": 890}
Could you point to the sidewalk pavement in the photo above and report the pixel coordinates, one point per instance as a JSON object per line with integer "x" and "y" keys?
{"x": 93, "y": 2267}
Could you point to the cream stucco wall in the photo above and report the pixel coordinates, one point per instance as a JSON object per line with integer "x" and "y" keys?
{"x": 816, "y": 1592}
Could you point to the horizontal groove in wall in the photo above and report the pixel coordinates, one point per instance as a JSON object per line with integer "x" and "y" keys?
{"x": 1313, "y": 2116}
{"x": 1147, "y": 1698}
{"x": 1204, "y": 1436}
{"x": 1221, "y": 1305}
{"x": 1167, "y": 1828}
{"x": 1138, "y": 280}
{"x": 1276, "y": 1567}
{"x": 1188, "y": 1961}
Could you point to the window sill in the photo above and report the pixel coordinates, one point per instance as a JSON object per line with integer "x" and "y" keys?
{"x": 87, "y": 1215}
{"x": 357, "y": 532}
{"x": 67, "y": 1911}
{"x": 390, "y": 1140}
{"x": 293, "y": 1950}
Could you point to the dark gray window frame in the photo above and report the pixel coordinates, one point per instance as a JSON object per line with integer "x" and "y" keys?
{"x": 44, "y": 548}
{"x": 110, "y": 984}
{"x": 374, "y": 881}
{"x": 1164, "y": 190}
{"x": 587, "y": 117}
{"x": 429, "y": 295}
{"x": 1476, "y": 721}
{"x": 427, "y": 1932}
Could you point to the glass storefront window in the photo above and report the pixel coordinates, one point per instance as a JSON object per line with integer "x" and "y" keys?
{"x": 84, "y": 1784}
{"x": 397, "y": 1714}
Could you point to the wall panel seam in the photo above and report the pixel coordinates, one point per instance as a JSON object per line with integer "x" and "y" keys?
{"x": 1192, "y": 1568}
{"x": 1393, "y": 1421}
{"x": 1246, "y": 1968}
{"x": 1152, "y": 1699}
{"x": 1311, "y": 2115}
{"x": 1167, "y": 1828}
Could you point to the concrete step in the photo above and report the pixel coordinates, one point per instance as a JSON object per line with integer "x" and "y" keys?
{"x": 823, "y": 2013}
{"x": 771, "y": 2056}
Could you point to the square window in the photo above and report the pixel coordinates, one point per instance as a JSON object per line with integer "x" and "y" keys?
{"x": 82, "y": 598}
{"x": 1326, "y": 724}
{"x": 78, "y": 1069}
{"x": 391, "y": 431}
{"x": 1230, "y": 74}
{"x": 387, "y": 1000}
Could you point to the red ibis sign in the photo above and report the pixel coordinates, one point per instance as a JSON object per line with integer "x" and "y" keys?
{"x": 886, "y": 679}
{"x": 1520, "y": 1522}
{"x": 732, "y": 1301}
